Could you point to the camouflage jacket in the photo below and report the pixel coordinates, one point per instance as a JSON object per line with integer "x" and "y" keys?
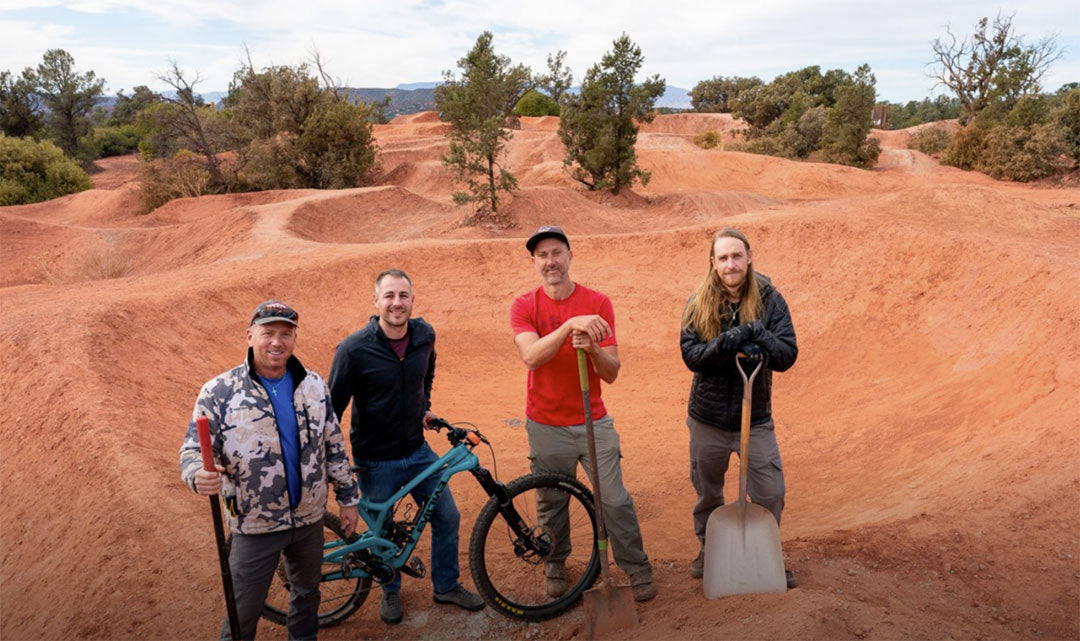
{"x": 246, "y": 444}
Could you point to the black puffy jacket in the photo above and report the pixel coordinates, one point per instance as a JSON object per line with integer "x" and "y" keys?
{"x": 389, "y": 395}
{"x": 717, "y": 390}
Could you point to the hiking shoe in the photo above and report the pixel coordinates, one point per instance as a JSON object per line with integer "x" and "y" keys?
{"x": 555, "y": 575}
{"x": 390, "y": 608}
{"x": 642, "y": 585}
{"x": 697, "y": 566}
{"x": 792, "y": 582}
{"x": 462, "y": 598}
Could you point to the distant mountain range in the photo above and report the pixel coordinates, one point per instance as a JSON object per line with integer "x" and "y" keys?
{"x": 409, "y": 98}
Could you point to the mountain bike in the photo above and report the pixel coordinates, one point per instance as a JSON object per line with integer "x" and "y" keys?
{"x": 509, "y": 546}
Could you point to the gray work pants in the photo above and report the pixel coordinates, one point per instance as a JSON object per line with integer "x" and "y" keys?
{"x": 253, "y": 561}
{"x": 560, "y": 449}
{"x": 710, "y": 451}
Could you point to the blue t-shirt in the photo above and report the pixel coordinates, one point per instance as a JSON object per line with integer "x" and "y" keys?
{"x": 281, "y": 396}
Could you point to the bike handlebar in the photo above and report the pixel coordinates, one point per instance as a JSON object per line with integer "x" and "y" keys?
{"x": 457, "y": 434}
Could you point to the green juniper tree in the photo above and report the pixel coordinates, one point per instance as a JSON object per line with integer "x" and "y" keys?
{"x": 844, "y": 139}
{"x": 69, "y": 98}
{"x": 598, "y": 125}
{"x": 476, "y": 107}
{"x": 20, "y": 107}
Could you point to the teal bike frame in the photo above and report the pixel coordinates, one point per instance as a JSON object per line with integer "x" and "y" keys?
{"x": 387, "y": 545}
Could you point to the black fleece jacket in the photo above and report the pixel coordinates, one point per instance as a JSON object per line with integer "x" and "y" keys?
{"x": 389, "y": 395}
{"x": 717, "y": 390}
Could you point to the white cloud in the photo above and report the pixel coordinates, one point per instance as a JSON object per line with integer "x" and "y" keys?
{"x": 371, "y": 43}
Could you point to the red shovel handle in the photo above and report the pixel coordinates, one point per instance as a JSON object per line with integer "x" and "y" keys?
{"x": 205, "y": 444}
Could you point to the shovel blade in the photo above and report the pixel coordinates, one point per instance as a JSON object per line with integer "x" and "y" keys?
{"x": 742, "y": 555}
{"x": 609, "y": 609}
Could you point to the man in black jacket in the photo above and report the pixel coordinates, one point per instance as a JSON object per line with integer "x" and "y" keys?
{"x": 386, "y": 370}
{"x": 734, "y": 310}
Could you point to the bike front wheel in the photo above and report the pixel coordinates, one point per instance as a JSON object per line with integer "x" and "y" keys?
{"x": 340, "y": 598}
{"x": 557, "y": 524}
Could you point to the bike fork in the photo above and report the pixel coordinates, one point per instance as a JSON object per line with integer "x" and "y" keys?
{"x": 527, "y": 543}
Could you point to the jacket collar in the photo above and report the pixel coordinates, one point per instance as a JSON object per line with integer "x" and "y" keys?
{"x": 294, "y": 366}
{"x": 417, "y": 332}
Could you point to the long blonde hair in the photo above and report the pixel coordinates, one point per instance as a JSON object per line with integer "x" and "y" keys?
{"x": 703, "y": 310}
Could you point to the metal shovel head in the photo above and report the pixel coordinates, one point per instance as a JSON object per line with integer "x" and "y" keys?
{"x": 742, "y": 556}
{"x": 608, "y": 609}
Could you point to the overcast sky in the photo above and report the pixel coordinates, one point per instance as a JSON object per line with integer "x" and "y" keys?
{"x": 383, "y": 44}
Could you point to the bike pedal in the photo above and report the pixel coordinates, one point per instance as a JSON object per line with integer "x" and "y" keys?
{"x": 414, "y": 568}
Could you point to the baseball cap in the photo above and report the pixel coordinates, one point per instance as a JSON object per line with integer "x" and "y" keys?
{"x": 546, "y": 231}
{"x": 272, "y": 311}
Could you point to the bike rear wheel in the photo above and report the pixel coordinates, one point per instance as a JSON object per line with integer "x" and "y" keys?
{"x": 340, "y": 598}
{"x": 510, "y": 575}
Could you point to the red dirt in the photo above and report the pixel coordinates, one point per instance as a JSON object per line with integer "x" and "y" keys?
{"x": 930, "y": 429}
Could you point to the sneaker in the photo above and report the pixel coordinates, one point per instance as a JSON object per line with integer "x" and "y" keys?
{"x": 697, "y": 566}
{"x": 792, "y": 582}
{"x": 462, "y": 598}
{"x": 555, "y": 573}
{"x": 642, "y": 585}
{"x": 390, "y": 608}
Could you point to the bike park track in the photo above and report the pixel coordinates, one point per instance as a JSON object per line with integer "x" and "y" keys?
{"x": 930, "y": 429}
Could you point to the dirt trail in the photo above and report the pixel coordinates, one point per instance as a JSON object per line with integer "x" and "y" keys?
{"x": 930, "y": 428}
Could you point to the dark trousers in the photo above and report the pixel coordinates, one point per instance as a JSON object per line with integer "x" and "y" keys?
{"x": 710, "y": 452}
{"x": 253, "y": 561}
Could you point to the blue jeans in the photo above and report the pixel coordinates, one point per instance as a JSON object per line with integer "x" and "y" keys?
{"x": 381, "y": 479}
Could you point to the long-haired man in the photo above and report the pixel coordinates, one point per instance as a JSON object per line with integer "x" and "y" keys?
{"x": 734, "y": 309}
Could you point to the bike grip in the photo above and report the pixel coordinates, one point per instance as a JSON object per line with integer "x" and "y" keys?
{"x": 205, "y": 446}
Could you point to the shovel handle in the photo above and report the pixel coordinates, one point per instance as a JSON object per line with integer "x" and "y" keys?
{"x": 583, "y": 370}
{"x": 205, "y": 444}
{"x": 207, "y": 450}
{"x": 601, "y": 530}
{"x": 744, "y": 432}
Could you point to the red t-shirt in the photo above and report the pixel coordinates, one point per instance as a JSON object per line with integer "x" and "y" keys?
{"x": 554, "y": 389}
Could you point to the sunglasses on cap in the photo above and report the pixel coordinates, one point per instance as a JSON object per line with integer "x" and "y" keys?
{"x": 272, "y": 311}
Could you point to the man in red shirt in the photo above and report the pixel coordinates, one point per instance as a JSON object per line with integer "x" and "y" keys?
{"x": 549, "y": 324}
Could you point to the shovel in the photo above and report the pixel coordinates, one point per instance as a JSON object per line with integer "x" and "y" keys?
{"x": 608, "y": 608}
{"x": 742, "y": 540}
{"x": 203, "y": 424}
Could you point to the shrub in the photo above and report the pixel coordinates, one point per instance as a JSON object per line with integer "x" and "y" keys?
{"x": 535, "y": 103}
{"x": 716, "y": 95}
{"x": 32, "y": 172}
{"x": 708, "y": 139}
{"x": 114, "y": 141}
{"x": 1023, "y": 153}
{"x": 335, "y": 150}
{"x": 269, "y": 165}
{"x": 163, "y": 179}
{"x": 930, "y": 140}
{"x": 1067, "y": 118}
{"x": 965, "y": 148}
{"x": 103, "y": 263}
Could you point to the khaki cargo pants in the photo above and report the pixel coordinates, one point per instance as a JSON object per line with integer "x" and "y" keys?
{"x": 560, "y": 449}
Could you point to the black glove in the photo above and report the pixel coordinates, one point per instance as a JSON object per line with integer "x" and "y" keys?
{"x": 753, "y": 351}
{"x": 736, "y": 337}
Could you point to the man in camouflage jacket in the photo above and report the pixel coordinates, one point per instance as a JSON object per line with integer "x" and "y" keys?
{"x": 277, "y": 443}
